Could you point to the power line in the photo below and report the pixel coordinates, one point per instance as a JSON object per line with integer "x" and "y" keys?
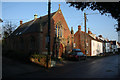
{"x": 92, "y": 13}
{"x": 15, "y": 19}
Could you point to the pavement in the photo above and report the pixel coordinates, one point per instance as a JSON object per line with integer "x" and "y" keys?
{"x": 106, "y": 67}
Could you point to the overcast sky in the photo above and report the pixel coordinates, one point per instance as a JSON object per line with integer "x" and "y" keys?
{"x": 98, "y": 24}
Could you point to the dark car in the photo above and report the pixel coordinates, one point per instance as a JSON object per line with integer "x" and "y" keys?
{"x": 101, "y": 54}
{"x": 76, "y": 54}
{"x": 76, "y": 50}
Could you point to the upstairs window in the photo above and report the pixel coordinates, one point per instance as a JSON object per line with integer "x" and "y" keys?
{"x": 59, "y": 30}
{"x": 56, "y": 30}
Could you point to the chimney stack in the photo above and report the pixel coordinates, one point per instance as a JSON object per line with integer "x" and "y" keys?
{"x": 72, "y": 32}
{"x": 21, "y": 22}
{"x": 89, "y": 32}
{"x": 100, "y": 35}
{"x": 79, "y": 28}
{"x": 35, "y": 16}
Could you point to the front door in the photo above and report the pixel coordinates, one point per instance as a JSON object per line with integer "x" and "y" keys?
{"x": 60, "y": 50}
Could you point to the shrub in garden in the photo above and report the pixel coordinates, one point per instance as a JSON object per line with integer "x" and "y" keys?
{"x": 39, "y": 59}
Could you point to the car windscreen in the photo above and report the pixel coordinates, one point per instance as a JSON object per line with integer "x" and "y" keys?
{"x": 73, "y": 53}
{"x": 76, "y": 50}
{"x": 79, "y": 53}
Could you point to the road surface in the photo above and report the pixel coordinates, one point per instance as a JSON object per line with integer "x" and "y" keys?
{"x": 106, "y": 67}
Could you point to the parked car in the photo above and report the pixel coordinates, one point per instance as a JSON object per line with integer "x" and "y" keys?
{"x": 76, "y": 50}
{"x": 101, "y": 54}
{"x": 76, "y": 54}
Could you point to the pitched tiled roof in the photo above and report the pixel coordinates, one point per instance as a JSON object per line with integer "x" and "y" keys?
{"x": 113, "y": 42}
{"x": 32, "y": 26}
{"x": 87, "y": 35}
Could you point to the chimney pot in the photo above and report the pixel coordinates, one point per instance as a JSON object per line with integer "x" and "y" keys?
{"x": 35, "y": 16}
{"x": 100, "y": 35}
{"x": 79, "y": 28}
{"x": 89, "y": 32}
{"x": 21, "y": 22}
{"x": 72, "y": 30}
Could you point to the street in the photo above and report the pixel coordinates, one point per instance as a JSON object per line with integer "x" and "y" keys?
{"x": 106, "y": 67}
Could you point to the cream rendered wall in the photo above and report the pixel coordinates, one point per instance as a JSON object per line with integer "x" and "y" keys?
{"x": 107, "y": 46}
{"x": 114, "y": 48}
{"x": 96, "y": 47}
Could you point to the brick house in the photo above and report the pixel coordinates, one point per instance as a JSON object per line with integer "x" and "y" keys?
{"x": 31, "y": 37}
{"x": 93, "y": 45}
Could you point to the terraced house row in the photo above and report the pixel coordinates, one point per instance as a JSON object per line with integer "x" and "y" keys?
{"x": 32, "y": 37}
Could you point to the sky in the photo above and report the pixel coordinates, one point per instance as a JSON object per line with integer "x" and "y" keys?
{"x": 98, "y": 24}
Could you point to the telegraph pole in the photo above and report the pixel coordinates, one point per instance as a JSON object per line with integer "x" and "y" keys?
{"x": 85, "y": 34}
{"x": 85, "y": 29}
{"x": 49, "y": 25}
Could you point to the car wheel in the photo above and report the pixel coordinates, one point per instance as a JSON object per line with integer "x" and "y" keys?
{"x": 79, "y": 58}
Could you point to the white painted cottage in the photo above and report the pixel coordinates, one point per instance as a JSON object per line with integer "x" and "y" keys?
{"x": 96, "y": 45}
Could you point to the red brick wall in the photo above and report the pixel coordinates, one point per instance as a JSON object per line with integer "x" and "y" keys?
{"x": 26, "y": 37}
{"x": 66, "y": 32}
{"x": 79, "y": 39}
{"x": 59, "y": 17}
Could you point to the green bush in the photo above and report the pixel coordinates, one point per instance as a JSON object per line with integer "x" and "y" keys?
{"x": 39, "y": 59}
{"x": 38, "y": 56}
{"x": 61, "y": 59}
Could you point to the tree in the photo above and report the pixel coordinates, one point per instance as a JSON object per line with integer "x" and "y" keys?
{"x": 103, "y": 7}
{"x": 8, "y": 28}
